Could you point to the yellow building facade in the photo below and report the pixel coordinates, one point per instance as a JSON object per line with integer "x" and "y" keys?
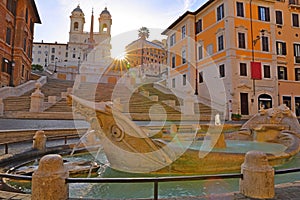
{"x": 228, "y": 49}
{"x": 149, "y": 56}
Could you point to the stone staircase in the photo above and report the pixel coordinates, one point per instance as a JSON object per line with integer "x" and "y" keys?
{"x": 53, "y": 87}
{"x": 139, "y": 104}
{"x": 200, "y": 108}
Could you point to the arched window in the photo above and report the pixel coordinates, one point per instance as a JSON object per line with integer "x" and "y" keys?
{"x": 265, "y": 101}
{"x": 104, "y": 28}
{"x": 76, "y": 26}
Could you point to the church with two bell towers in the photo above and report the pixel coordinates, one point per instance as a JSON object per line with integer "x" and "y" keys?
{"x": 82, "y": 43}
{"x": 91, "y": 49}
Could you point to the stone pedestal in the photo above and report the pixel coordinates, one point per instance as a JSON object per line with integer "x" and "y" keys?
{"x": 49, "y": 180}
{"x": 52, "y": 99}
{"x": 39, "y": 141}
{"x": 188, "y": 106}
{"x": 1, "y": 107}
{"x": 258, "y": 176}
{"x": 37, "y": 100}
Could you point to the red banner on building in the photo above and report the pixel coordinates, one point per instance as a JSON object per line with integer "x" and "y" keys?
{"x": 256, "y": 70}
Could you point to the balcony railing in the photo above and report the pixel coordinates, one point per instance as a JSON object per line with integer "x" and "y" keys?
{"x": 294, "y": 3}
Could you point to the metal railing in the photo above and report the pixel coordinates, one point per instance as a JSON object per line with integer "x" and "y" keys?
{"x": 154, "y": 180}
{"x": 49, "y": 138}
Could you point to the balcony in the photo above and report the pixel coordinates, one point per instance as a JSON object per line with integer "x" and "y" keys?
{"x": 294, "y": 3}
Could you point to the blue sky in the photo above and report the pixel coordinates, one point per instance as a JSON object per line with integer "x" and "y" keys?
{"x": 127, "y": 15}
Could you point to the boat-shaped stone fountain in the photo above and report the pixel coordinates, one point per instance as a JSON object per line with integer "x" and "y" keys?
{"x": 130, "y": 148}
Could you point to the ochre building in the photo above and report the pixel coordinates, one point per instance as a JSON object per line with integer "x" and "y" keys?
{"x": 250, "y": 49}
{"x": 17, "y": 19}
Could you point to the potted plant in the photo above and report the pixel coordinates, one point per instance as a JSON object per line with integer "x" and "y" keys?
{"x": 236, "y": 116}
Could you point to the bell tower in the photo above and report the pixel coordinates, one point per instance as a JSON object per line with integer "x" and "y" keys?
{"x": 77, "y": 24}
{"x": 105, "y": 22}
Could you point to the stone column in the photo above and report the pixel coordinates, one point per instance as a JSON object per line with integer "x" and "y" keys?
{"x": 39, "y": 141}
{"x": 49, "y": 180}
{"x": 188, "y": 106}
{"x": 37, "y": 100}
{"x": 258, "y": 176}
{"x": 1, "y": 107}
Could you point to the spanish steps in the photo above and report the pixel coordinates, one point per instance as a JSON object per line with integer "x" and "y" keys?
{"x": 136, "y": 101}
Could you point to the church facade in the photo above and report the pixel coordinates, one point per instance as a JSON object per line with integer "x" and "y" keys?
{"x": 91, "y": 48}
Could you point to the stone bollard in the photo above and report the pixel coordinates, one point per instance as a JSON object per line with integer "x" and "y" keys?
{"x": 37, "y": 100}
{"x": 39, "y": 141}
{"x": 258, "y": 176}
{"x": 188, "y": 106}
{"x": 49, "y": 180}
{"x": 1, "y": 107}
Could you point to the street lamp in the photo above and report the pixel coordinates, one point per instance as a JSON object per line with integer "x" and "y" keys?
{"x": 254, "y": 65}
{"x": 55, "y": 71}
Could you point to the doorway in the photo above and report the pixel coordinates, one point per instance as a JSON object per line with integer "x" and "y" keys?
{"x": 244, "y": 103}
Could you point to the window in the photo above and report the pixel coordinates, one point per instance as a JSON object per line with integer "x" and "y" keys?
{"x": 209, "y": 49}
{"x": 242, "y": 41}
{"x": 173, "y": 61}
{"x": 222, "y": 70}
{"x": 200, "y": 77}
{"x": 183, "y": 32}
{"x": 295, "y": 18}
{"x": 52, "y": 57}
{"x": 39, "y": 52}
{"x": 243, "y": 69}
{"x": 220, "y": 12}
{"x": 173, "y": 83}
{"x": 279, "y": 17}
{"x": 200, "y": 52}
{"x": 67, "y": 54}
{"x": 220, "y": 43}
{"x": 297, "y": 74}
{"x": 263, "y": 13}
{"x": 267, "y": 71}
{"x": 183, "y": 56}
{"x": 240, "y": 9}
{"x": 8, "y": 35}
{"x": 282, "y": 73}
{"x": 24, "y": 44}
{"x": 297, "y": 53}
{"x": 199, "y": 26}
{"x": 26, "y": 15}
{"x": 184, "y": 79}
{"x": 53, "y": 50}
{"x": 265, "y": 43}
{"x": 76, "y": 26}
{"x": 11, "y": 6}
{"x": 23, "y": 70}
{"x": 39, "y": 60}
{"x": 281, "y": 48}
{"x": 74, "y": 55}
{"x": 172, "y": 39}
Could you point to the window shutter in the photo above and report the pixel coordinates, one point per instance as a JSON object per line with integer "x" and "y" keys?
{"x": 284, "y": 48}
